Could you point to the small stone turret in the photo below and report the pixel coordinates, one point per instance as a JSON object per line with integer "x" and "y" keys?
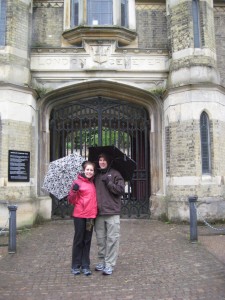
{"x": 191, "y": 43}
{"x": 15, "y": 42}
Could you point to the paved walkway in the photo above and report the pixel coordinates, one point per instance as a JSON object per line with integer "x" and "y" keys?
{"x": 156, "y": 262}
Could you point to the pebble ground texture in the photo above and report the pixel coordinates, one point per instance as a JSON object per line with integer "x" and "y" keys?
{"x": 157, "y": 261}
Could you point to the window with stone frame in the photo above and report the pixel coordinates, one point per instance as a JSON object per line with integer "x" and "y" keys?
{"x": 74, "y": 13}
{"x": 124, "y": 13}
{"x": 205, "y": 143}
{"x": 2, "y": 22}
{"x": 98, "y": 12}
{"x": 99, "y": 19}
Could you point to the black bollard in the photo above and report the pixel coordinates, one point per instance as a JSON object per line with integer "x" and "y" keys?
{"x": 193, "y": 219}
{"x": 12, "y": 228}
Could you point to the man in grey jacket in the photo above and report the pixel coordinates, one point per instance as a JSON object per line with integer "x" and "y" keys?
{"x": 109, "y": 187}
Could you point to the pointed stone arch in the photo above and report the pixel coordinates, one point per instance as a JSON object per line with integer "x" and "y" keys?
{"x": 109, "y": 90}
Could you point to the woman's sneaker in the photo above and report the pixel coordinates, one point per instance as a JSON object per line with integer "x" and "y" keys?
{"x": 99, "y": 267}
{"x": 75, "y": 271}
{"x": 86, "y": 271}
{"x": 107, "y": 271}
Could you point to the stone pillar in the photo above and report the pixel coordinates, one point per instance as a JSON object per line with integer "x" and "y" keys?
{"x": 191, "y": 62}
{"x": 14, "y": 56}
{"x": 18, "y": 110}
{"x": 192, "y": 87}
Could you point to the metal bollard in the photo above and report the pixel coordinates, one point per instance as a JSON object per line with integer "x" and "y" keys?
{"x": 193, "y": 219}
{"x": 12, "y": 228}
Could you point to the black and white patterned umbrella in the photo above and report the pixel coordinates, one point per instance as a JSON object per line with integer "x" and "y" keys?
{"x": 61, "y": 173}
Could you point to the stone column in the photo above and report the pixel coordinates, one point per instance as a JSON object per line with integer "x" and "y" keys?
{"x": 14, "y": 56}
{"x": 192, "y": 88}
{"x": 18, "y": 109}
{"x": 191, "y": 62}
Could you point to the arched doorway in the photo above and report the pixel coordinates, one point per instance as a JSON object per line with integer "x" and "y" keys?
{"x": 77, "y": 125}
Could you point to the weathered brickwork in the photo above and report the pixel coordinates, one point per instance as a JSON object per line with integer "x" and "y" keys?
{"x": 219, "y": 19}
{"x": 47, "y": 26}
{"x": 217, "y": 147}
{"x": 151, "y": 25}
{"x": 181, "y": 145}
{"x": 205, "y": 192}
{"x": 181, "y": 27}
{"x": 17, "y": 136}
{"x": 207, "y": 26}
{"x": 185, "y": 160}
{"x": 17, "y": 24}
{"x": 181, "y": 34}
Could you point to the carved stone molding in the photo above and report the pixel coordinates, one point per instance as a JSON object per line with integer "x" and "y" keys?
{"x": 122, "y": 35}
{"x": 47, "y": 4}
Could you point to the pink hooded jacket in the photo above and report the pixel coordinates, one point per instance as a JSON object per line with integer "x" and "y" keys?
{"x": 84, "y": 200}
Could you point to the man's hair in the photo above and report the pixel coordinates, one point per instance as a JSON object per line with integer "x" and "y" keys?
{"x": 106, "y": 157}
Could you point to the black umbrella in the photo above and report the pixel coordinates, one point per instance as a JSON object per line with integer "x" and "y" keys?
{"x": 120, "y": 161}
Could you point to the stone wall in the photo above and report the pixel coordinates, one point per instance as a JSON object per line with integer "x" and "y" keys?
{"x": 14, "y": 59}
{"x": 18, "y": 131}
{"x": 182, "y": 140}
{"x": 47, "y": 24}
{"x": 17, "y": 135}
{"x": 17, "y": 21}
{"x": 181, "y": 35}
{"x": 219, "y": 15}
{"x": 207, "y": 26}
{"x": 181, "y": 29}
{"x": 151, "y": 25}
{"x": 184, "y": 175}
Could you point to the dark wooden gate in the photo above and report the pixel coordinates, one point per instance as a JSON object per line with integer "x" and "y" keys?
{"x": 76, "y": 126}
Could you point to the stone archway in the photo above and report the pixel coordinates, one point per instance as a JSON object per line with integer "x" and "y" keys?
{"x": 147, "y": 134}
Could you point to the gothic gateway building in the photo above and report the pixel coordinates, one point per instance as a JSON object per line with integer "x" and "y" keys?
{"x": 147, "y": 76}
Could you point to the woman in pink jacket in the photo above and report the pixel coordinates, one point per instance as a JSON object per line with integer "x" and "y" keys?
{"x": 83, "y": 196}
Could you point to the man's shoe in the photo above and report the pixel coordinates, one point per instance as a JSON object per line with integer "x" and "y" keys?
{"x": 86, "y": 272}
{"x": 75, "y": 271}
{"x": 107, "y": 271}
{"x": 99, "y": 267}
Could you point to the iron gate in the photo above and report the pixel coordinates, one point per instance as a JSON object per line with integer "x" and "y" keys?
{"x": 76, "y": 126}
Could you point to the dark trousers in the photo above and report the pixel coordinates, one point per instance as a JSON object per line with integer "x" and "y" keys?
{"x": 81, "y": 244}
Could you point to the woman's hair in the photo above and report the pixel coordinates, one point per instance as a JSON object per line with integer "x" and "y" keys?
{"x": 86, "y": 163}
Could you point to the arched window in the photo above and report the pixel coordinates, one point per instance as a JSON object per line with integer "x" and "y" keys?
{"x": 205, "y": 143}
{"x": 2, "y": 22}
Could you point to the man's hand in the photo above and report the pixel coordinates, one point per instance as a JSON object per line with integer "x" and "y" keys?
{"x": 106, "y": 179}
